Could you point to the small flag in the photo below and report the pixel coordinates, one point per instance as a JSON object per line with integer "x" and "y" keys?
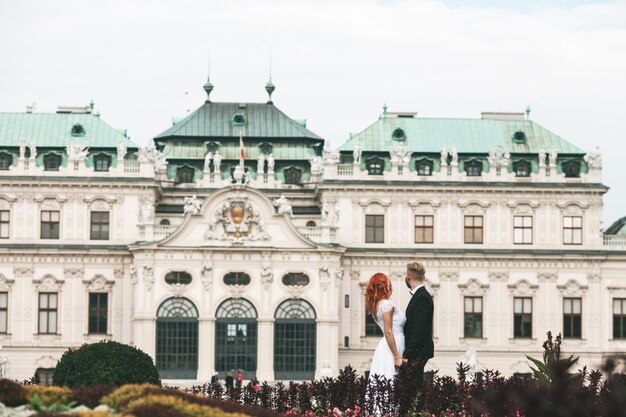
{"x": 241, "y": 153}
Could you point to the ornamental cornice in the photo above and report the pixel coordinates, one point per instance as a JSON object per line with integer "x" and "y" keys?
{"x": 467, "y": 203}
{"x": 572, "y": 288}
{"x": 450, "y": 276}
{"x": 523, "y": 287}
{"x": 473, "y": 287}
{"x": 433, "y": 203}
{"x": 48, "y": 283}
{"x": 98, "y": 283}
{"x": 566, "y": 204}
{"x": 516, "y": 203}
{"x": 370, "y": 201}
{"x": 73, "y": 272}
{"x": 498, "y": 276}
{"x": 23, "y": 272}
{"x": 5, "y": 283}
{"x": 547, "y": 276}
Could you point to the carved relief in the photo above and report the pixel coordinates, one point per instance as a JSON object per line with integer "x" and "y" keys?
{"x": 523, "y": 287}
{"x": 236, "y": 291}
{"x": 473, "y": 287}
{"x": 178, "y": 290}
{"x": 206, "y": 276}
{"x": 267, "y": 276}
{"x": 48, "y": 283}
{"x": 324, "y": 277}
{"x": 98, "y": 283}
{"x": 147, "y": 273}
{"x": 133, "y": 274}
{"x": 572, "y": 288}
{"x": 5, "y": 283}
{"x": 73, "y": 272}
{"x": 237, "y": 221}
{"x": 23, "y": 272}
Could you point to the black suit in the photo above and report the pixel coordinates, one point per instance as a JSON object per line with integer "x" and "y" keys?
{"x": 418, "y": 329}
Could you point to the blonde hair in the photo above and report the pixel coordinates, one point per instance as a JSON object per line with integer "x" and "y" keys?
{"x": 415, "y": 270}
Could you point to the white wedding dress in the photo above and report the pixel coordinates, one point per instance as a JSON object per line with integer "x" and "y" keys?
{"x": 382, "y": 362}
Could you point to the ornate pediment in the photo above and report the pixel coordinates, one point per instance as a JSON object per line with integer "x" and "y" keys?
{"x": 236, "y": 220}
{"x": 98, "y": 283}
{"x": 48, "y": 283}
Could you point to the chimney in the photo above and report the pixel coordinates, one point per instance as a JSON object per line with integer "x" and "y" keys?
{"x": 74, "y": 110}
{"x": 401, "y": 114}
{"x": 502, "y": 116}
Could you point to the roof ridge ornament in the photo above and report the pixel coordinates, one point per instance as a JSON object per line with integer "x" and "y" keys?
{"x": 208, "y": 87}
{"x": 269, "y": 87}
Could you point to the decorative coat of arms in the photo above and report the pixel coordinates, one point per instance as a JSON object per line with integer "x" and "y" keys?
{"x": 236, "y": 221}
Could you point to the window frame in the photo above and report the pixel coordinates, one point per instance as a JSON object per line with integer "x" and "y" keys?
{"x": 475, "y": 316}
{"x": 292, "y": 175}
{"x": 374, "y": 228}
{"x": 574, "y": 319}
{"x": 185, "y": 174}
{"x": 473, "y": 168}
{"x": 247, "y": 279}
{"x": 473, "y": 228}
{"x": 375, "y": 166}
{"x": 424, "y": 162}
{"x": 46, "y": 227}
{"x": 5, "y": 224}
{"x": 100, "y": 235}
{"x": 424, "y": 228}
{"x": 619, "y": 319}
{"x": 523, "y": 228}
{"x": 523, "y": 314}
{"x": 187, "y": 278}
{"x": 371, "y": 327}
{"x": 6, "y": 160}
{"x": 95, "y": 312}
{"x": 52, "y": 157}
{"x": 571, "y": 230}
{"x": 47, "y": 311}
{"x": 527, "y": 168}
{"x": 4, "y": 312}
{"x": 98, "y": 159}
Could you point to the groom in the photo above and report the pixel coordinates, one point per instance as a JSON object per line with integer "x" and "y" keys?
{"x": 418, "y": 329}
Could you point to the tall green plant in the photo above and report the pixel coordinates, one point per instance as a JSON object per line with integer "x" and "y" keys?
{"x": 553, "y": 371}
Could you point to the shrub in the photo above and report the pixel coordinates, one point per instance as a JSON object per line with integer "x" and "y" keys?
{"x": 90, "y": 396}
{"x": 105, "y": 362}
{"x": 119, "y": 398}
{"x": 12, "y": 393}
{"x": 47, "y": 396}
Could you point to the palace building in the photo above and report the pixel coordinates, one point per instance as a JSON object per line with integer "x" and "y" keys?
{"x": 238, "y": 239}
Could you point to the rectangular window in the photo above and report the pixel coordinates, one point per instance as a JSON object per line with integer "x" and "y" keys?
{"x": 50, "y": 224}
{"x": 374, "y": 228}
{"x": 371, "y": 327}
{"x": 4, "y": 311}
{"x": 619, "y": 318}
{"x": 424, "y": 229}
{"x": 473, "y": 318}
{"x": 48, "y": 311}
{"x": 99, "y": 225}
{"x": 572, "y": 230}
{"x": 572, "y": 314}
{"x": 522, "y": 230}
{"x": 473, "y": 229}
{"x": 4, "y": 224}
{"x": 98, "y": 309}
{"x": 523, "y": 317}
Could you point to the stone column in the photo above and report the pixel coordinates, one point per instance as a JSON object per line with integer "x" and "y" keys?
{"x": 265, "y": 350}
{"x": 206, "y": 348}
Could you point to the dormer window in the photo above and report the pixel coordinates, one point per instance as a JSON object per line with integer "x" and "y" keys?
{"x": 51, "y": 162}
{"x": 473, "y": 168}
{"x": 519, "y": 137}
{"x": 398, "y": 134}
{"x": 184, "y": 175}
{"x": 212, "y": 147}
{"x": 424, "y": 167}
{"x": 78, "y": 130}
{"x": 375, "y": 166}
{"x": 293, "y": 175}
{"x": 521, "y": 168}
{"x": 238, "y": 119}
{"x": 5, "y": 161}
{"x": 571, "y": 169}
{"x": 266, "y": 148}
{"x": 101, "y": 162}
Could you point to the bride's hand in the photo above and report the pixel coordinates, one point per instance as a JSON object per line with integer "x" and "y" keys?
{"x": 397, "y": 361}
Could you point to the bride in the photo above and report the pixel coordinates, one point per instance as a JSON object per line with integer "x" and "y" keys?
{"x": 388, "y": 353}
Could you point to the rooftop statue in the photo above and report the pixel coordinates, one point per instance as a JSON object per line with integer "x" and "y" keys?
{"x": 283, "y": 206}
{"x": 499, "y": 158}
{"x": 33, "y": 150}
{"x": 217, "y": 162}
{"x": 356, "y": 153}
{"x": 76, "y": 151}
{"x": 444, "y": 157}
{"x": 552, "y": 158}
{"x": 122, "y": 150}
{"x": 454, "y": 155}
{"x": 400, "y": 155}
{"x": 260, "y": 164}
{"x": 542, "y": 157}
{"x": 192, "y": 205}
{"x": 594, "y": 158}
{"x": 270, "y": 163}
{"x": 207, "y": 161}
{"x": 317, "y": 165}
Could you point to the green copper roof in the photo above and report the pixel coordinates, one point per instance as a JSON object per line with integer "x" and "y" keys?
{"x": 54, "y": 130}
{"x": 217, "y": 120}
{"x": 176, "y": 149}
{"x": 467, "y": 135}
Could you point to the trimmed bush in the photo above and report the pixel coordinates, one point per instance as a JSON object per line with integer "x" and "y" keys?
{"x": 12, "y": 393}
{"x": 105, "y": 362}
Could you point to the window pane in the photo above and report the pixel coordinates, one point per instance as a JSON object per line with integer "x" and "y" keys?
{"x": 518, "y": 236}
{"x": 428, "y": 235}
{"x": 567, "y": 306}
{"x": 478, "y": 305}
{"x": 43, "y": 322}
{"x": 419, "y": 220}
{"x": 578, "y": 221}
{"x": 54, "y": 216}
{"x": 3, "y": 321}
{"x": 478, "y": 220}
{"x": 578, "y": 236}
{"x": 528, "y": 235}
{"x": 3, "y": 300}
{"x": 518, "y": 305}
{"x": 468, "y": 305}
{"x": 528, "y": 221}
{"x": 577, "y": 307}
{"x": 469, "y": 221}
{"x": 43, "y": 300}
{"x": 52, "y": 300}
{"x": 527, "y": 305}
{"x": 469, "y": 236}
{"x": 617, "y": 307}
{"x": 52, "y": 325}
{"x": 567, "y": 222}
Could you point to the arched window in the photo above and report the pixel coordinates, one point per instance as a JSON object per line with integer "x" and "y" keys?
{"x": 293, "y": 175}
{"x": 101, "y": 162}
{"x": 178, "y": 277}
{"x": 164, "y": 222}
{"x": 375, "y": 166}
{"x": 295, "y": 278}
{"x": 51, "y": 162}
{"x": 295, "y": 338}
{"x": 424, "y": 166}
{"x": 5, "y": 161}
{"x": 177, "y": 339}
{"x": 398, "y": 134}
{"x": 184, "y": 174}
{"x": 521, "y": 168}
{"x": 236, "y": 337}
{"x": 236, "y": 278}
{"x": 571, "y": 169}
{"x": 473, "y": 168}
{"x": 311, "y": 223}
{"x": 78, "y": 130}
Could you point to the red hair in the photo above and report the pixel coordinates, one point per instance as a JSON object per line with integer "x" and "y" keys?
{"x": 377, "y": 289}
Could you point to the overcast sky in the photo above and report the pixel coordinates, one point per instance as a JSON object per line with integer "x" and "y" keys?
{"x": 334, "y": 63}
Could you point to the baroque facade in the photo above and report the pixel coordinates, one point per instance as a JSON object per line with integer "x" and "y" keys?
{"x": 210, "y": 261}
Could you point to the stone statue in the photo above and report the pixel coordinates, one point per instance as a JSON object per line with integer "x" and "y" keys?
{"x": 470, "y": 360}
{"x": 325, "y": 212}
{"x": 542, "y": 157}
{"x": 22, "y": 148}
{"x": 192, "y": 205}
{"x": 552, "y": 158}
{"x": 3, "y": 364}
{"x": 444, "y": 157}
{"x": 76, "y": 152}
{"x": 283, "y": 206}
{"x": 356, "y": 153}
{"x": 455, "y": 156}
{"x": 121, "y": 151}
{"x": 336, "y": 214}
{"x": 33, "y": 150}
{"x": 499, "y": 158}
{"x": 260, "y": 164}
{"x": 270, "y": 163}
{"x": 207, "y": 161}
{"x": 146, "y": 212}
{"x": 147, "y": 153}
{"x": 160, "y": 163}
{"x": 217, "y": 162}
{"x": 400, "y": 155}
{"x": 326, "y": 371}
{"x": 594, "y": 159}
{"x": 317, "y": 165}
{"x": 330, "y": 156}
